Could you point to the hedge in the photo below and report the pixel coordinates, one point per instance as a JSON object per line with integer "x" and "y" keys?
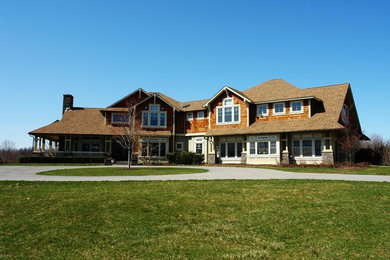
{"x": 184, "y": 157}
{"x": 31, "y": 159}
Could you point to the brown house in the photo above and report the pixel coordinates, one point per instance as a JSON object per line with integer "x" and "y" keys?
{"x": 271, "y": 123}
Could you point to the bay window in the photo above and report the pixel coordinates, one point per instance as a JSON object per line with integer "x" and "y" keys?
{"x": 231, "y": 150}
{"x": 262, "y": 146}
{"x": 307, "y": 148}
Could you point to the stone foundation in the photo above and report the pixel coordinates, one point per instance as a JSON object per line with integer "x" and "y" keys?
{"x": 327, "y": 158}
{"x": 243, "y": 158}
{"x": 211, "y": 158}
{"x": 285, "y": 158}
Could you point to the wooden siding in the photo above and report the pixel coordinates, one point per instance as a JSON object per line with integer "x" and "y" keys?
{"x": 236, "y": 101}
{"x": 197, "y": 125}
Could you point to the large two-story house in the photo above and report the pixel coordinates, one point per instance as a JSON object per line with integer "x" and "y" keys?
{"x": 271, "y": 123}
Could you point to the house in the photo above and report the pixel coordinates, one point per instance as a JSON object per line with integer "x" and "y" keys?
{"x": 271, "y": 123}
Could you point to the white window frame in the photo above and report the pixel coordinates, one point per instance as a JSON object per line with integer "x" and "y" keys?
{"x": 223, "y": 107}
{"x": 182, "y": 146}
{"x": 188, "y": 116}
{"x": 262, "y": 114}
{"x": 279, "y": 113}
{"x": 312, "y": 147}
{"x": 298, "y": 111}
{"x": 148, "y": 145}
{"x": 149, "y": 112}
{"x": 267, "y": 139}
{"x": 198, "y": 141}
{"x": 200, "y": 117}
{"x": 119, "y": 122}
{"x": 226, "y": 150}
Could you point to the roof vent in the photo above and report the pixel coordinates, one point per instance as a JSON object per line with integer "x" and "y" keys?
{"x": 186, "y": 105}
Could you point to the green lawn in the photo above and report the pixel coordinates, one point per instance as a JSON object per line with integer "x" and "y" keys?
{"x": 195, "y": 219}
{"x": 370, "y": 170}
{"x": 52, "y": 164}
{"x": 123, "y": 171}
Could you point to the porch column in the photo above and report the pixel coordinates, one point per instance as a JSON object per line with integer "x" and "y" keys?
{"x": 40, "y": 144}
{"x": 35, "y": 144}
{"x": 50, "y": 146}
{"x": 327, "y": 151}
{"x": 285, "y": 153}
{"x": 244, "y": 153}
{"x": 56, "y": 146}
{"x": 44, "y": 145}
{"x": 211, "y": 158}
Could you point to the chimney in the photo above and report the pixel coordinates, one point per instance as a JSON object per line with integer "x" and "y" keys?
{"x": 67, "y": 103}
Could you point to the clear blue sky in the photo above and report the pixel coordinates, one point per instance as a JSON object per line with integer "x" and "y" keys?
{"x": 100, "y": 51}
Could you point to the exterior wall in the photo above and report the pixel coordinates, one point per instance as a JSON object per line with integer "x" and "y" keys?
{"x": 218, "y": 102}
{"x": 197, "y": 125}
{"x": 287, "y": 115}
{"x": 180, "y": 122}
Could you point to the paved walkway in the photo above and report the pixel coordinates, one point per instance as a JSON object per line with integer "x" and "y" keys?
{"x": 28, "y": 173}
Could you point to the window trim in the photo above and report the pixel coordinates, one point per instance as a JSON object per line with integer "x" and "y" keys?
{"x": 279, "y": 113}
{"x": 182, "y": 146}
{"x": 223, "y": 113}
{"x": 296, "y": 112}
{"x": 198, "y": 117}
{"x": 227, "y": 150}
{"x": 190, "y": 119}
{"x": 148, "y": 145}
{"x": 312, "y": 147}
{"x": 149, "y": 112}
{"x": 261, "y": 105}
{"x": 118, "y": 122}
{"x": 269, "y": 140}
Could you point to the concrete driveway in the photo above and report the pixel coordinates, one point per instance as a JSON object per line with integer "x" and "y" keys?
{"x": 28, "y": 173}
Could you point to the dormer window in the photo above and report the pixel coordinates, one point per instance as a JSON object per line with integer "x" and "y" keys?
{"x": 279, "y": 109}
{"x": 200, "y": 115}
{"x": 120, "y": 118}
{"x": 154, "y": 117}
{"x": 228, "y": 113}
{"x": 296, "y": 107}
{"x": 262, "y": 110}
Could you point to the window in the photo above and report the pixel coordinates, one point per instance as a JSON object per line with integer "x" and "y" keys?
{"x": 264, "y": 145}
{"x": 297, "y": 148}
{"x": 154, "y": 117}
{"x": 120, "y": 118}
{"x": 179, "y": 146}
{"x": 199, "y": 148}
{"x": 344, "y": 114}
{"x": 252, "y": 148}
{"x": 296, "y": 107}
{"x": 190, "y": 116}
{"x": 279, "y": 109}
{"x": 231, "y": 150}
{"x": 307, "y": 148}
{"x": 228, "y": 113}
{"x": 262, "y": 110}
{"x": 200, "y": 115}
{"x": 154, "y": 148}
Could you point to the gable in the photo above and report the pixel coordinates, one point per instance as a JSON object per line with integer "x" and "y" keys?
{"x": 131, "y": 99}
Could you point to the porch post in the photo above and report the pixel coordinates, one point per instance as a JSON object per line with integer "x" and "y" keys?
{"x": 285, "y": 154}
{"x": 44, "y": 145}
{"x": 35, "y": 141}
{"x": 40, "y": 144}
{"x": 50, "y": 146}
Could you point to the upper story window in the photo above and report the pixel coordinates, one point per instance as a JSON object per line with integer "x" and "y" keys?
{"x": 262, "y": 110}
{"x": 200, "y": 115}
{"x": 279, "y": 109}
{"x": 228, "y": 113}
{"x": 296, "y": 107}
{"x": 190, "y": 116}
{"x": 344, "y": 114}
{"x": 120, "y": 118}
{"x": 154, "y": 117}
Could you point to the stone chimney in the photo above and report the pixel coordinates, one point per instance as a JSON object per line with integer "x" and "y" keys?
{"x": 67, "y": 103}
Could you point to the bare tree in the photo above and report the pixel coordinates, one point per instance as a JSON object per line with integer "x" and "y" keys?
{"x": 380, "y": 148}
{"x": 127, "y": 133}
{"x": 350, "y": 141}
{"x": 8, "y": 152}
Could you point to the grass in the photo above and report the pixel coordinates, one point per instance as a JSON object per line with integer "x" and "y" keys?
{"x": 122, "y": 171}
{"x": 52, "y": 164}
{"x": 368, "y": 170}
{"x": 195, "y": 219}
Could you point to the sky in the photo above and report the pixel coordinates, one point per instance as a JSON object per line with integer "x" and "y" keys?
{"x": 100, "y": 51}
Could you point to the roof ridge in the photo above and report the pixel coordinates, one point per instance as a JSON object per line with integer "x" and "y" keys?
{"x": 324, "y": 86}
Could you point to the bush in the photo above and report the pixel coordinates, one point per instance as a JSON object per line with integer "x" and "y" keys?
{"x": 31, "y": 159}
{"x": 185, "y": 158}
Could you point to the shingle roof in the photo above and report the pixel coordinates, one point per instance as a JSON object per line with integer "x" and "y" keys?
{"x": 274, "y": 89}
{"x": 84, "y": 121}
{"x": 193, "y": 105}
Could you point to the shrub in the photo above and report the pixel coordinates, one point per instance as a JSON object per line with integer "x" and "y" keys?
{"x": 31, "y": 159}
{"x": 184, "y": 157}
